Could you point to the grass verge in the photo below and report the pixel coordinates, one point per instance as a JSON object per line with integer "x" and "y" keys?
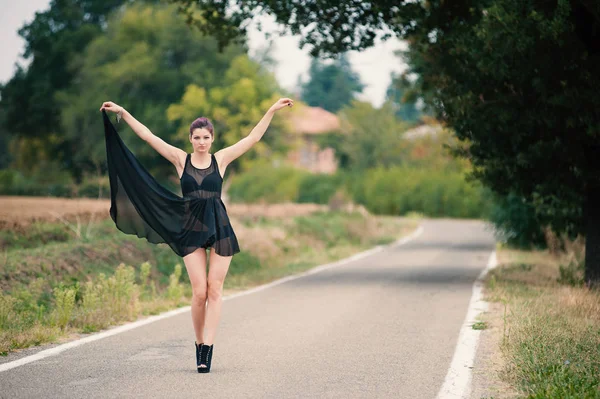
{"x": 551, "y": 323}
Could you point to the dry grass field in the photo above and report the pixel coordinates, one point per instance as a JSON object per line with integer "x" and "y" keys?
{"x": 18, "y": 212}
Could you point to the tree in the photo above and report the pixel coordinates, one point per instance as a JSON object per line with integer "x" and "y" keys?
{"x": 5, "y": 156}
{"x": 401, "y": 92}
{"x": 372, "y": 136}
{"x": 52, "y": 40}
{"x": 516, "y": 80}
{"x": 331, "y": 86}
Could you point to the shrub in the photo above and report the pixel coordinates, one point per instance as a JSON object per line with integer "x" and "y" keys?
{"x": 318, "y": 188}
{"x": 65, "y": 304}
{"x": 400, "y": 190}
{"x": 264, "y": 183}
{"x": 516, "y": 223}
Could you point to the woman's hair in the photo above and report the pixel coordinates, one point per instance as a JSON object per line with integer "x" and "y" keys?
{"x": 202, "y": 123}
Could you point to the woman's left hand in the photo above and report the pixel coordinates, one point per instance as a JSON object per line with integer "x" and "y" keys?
{"x": 282, "y": 103}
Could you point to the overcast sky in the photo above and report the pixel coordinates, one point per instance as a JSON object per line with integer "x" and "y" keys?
{"x": 373, "y": 65}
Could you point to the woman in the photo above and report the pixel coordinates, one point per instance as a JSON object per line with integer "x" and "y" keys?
{"x": 190, "y": 225}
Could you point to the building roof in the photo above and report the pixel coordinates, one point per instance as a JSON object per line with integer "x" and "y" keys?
{"x": 314, "y": 120}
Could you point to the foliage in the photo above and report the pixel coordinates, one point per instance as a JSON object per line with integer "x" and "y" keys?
{"x": 265, "y": 183}
{"x": 50, "y": 182}
{"x": 5, "y": 155}
{"x": 434, "y": 193}
{"x": 326, "y": 25}
{"x": 243, "y": 263}
{"x": 393, "y": 191}
{"x": 52, "y": 41}
{"x": 401, "y": 92}
{"x": 175, "y": 289}
{"x": 331, "y": 86}
{"x": 372, "y": 136}
{"x": 516, "y": 222}
{"x": 318, "y": 188}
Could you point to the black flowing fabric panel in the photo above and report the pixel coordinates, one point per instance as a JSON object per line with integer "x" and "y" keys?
{"x": 139, "y": 204}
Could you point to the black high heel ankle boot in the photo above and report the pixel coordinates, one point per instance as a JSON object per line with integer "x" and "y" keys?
{"x": 198, "y": 352}
{"x": 206, "y": 352}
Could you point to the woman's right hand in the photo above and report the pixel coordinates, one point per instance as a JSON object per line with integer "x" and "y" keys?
{"x": 110, "y": 106}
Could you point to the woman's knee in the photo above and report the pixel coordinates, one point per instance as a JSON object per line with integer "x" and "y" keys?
{"x": 215, "y": 289}
{"x": 199, "y": 292}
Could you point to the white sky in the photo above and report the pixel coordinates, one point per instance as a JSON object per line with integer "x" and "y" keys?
{"x": 374, "y": 65}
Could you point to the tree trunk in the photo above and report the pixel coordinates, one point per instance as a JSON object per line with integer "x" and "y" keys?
{"x": 592, "y": 236}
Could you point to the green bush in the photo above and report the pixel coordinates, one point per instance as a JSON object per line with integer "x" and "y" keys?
{"x": 434, "y": 193}
{"x": 65, "y": 305}
{"x": 264, "y": 183}
{"x": 90, "y": 188}
{"x": 48, "y": 182}
{"x": 243, "y": 262}
{"x": 175, "y": 289}
{"x": 516, "y": 222}
{"x": 394, "y": 191}
{"x": 283, "y": 184}
{"x": 7, "y": 178}
{"x": 318, "y": 188}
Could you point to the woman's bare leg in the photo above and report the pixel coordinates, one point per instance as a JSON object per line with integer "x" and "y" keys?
{"x": 195, "y": 263}
{"x": 217, "y": 270}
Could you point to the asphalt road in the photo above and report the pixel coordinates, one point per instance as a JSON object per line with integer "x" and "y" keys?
{"x": 382, "y": 326}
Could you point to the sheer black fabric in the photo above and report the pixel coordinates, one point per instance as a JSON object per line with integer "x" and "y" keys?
{"x": 140, "y": 205}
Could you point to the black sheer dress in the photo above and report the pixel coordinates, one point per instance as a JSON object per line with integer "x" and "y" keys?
{"x": 140, "y": 205}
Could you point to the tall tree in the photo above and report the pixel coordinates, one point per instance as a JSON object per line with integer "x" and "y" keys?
{"x": 402, "y": 94}
{"x": 516, "y": 79}
{"x": 331, "y": 86}
{"x": 5, "y": 156}
{"x": 372, "y": 136}
{"x": 52, "y": 40}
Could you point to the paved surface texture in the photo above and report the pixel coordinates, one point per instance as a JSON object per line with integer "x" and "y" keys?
{"x": 382, "y": 326}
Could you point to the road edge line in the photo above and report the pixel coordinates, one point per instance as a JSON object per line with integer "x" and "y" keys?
{"x": 457, "y": 383}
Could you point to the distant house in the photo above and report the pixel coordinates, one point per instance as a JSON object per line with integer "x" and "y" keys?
{"x": 308, "y": 122}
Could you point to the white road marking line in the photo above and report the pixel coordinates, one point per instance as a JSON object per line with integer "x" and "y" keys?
{"x": 458, "y": 379}
{"x": 129, "y": 326}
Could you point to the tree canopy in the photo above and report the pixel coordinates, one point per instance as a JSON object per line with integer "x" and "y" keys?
{"x": 331, "y": 86}
{"x": 52, "y": 41}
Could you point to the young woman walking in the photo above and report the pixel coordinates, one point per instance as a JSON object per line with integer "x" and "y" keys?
{"x": 190, "y": 224}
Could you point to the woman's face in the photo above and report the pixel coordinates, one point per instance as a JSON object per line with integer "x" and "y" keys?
{"x": 201, "y": 140}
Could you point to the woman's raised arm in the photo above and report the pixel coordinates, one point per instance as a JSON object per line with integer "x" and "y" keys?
{"x": 171, "y": 153}
{"x": 229, "y": 154}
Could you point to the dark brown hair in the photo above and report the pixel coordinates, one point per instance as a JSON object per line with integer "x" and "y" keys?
{"x": 202, "y": 123}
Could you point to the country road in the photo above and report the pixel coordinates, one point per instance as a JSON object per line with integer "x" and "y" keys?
{"x": 385, "y": 326}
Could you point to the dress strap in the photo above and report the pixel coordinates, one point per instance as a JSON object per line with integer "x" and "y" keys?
{"x": 214, "y": 159}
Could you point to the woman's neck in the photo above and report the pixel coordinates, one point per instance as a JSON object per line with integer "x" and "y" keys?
{"x": 201, "y": 160}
